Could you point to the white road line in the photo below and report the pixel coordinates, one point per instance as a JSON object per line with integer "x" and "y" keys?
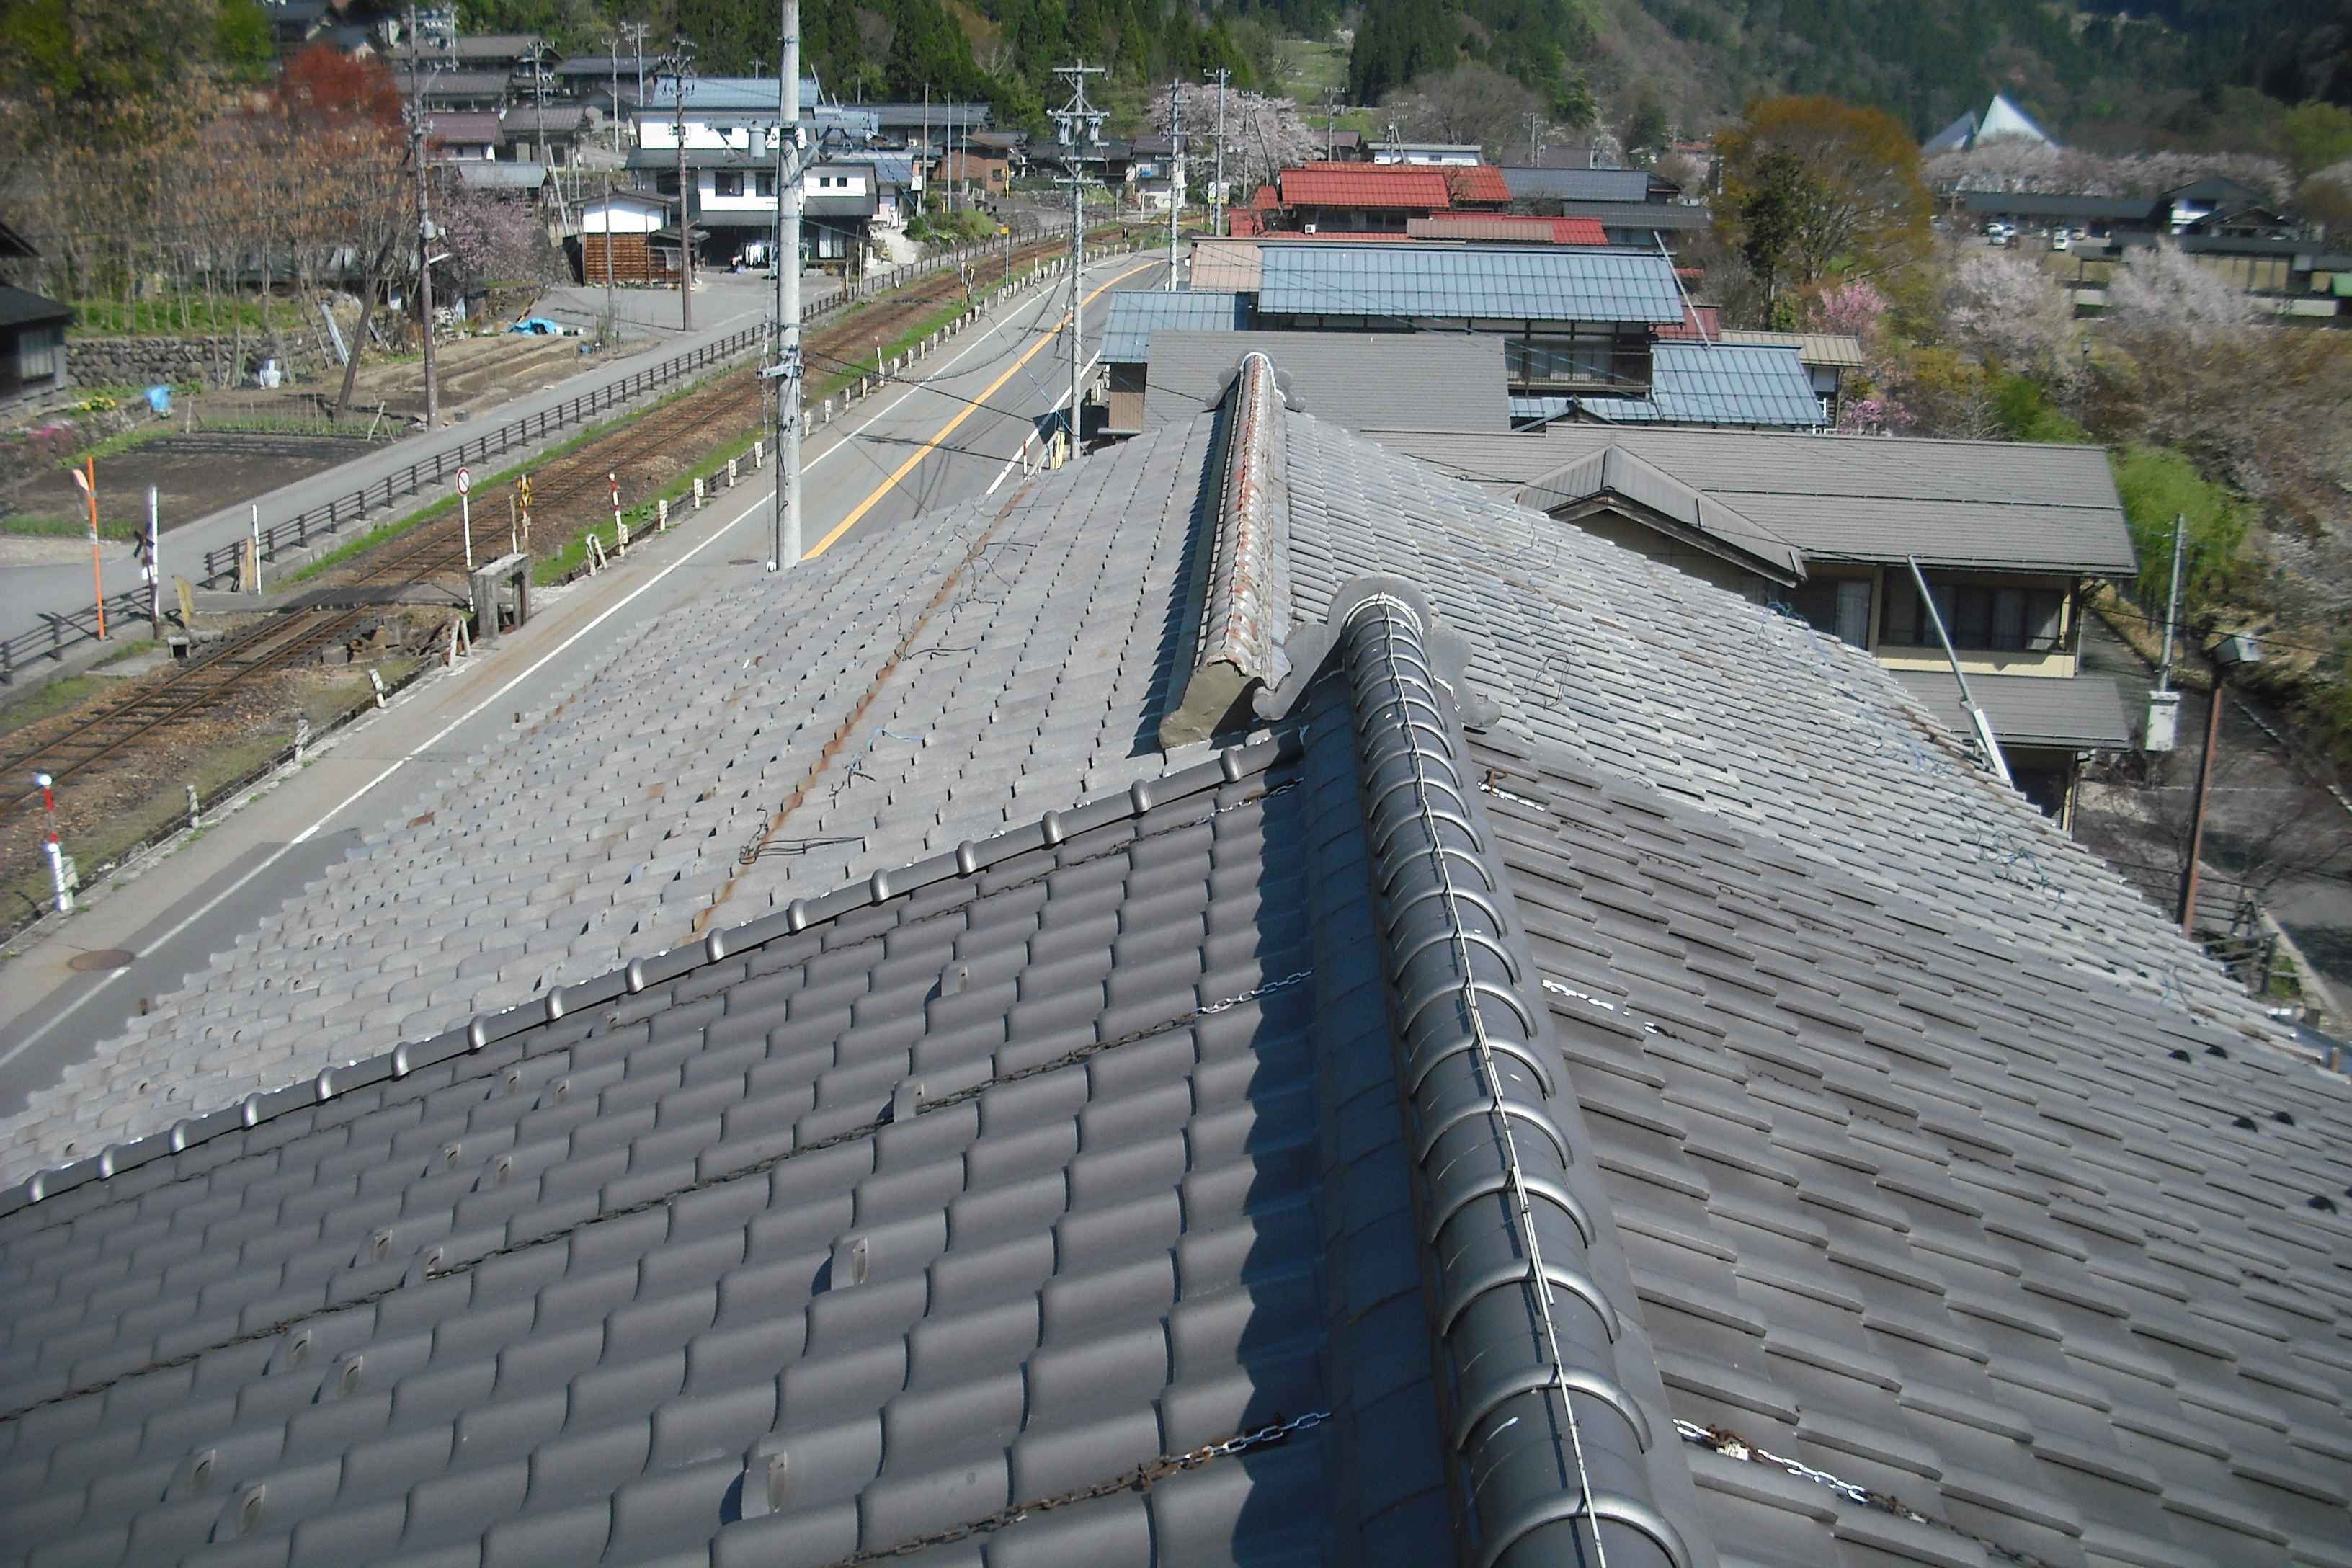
{"x": 471, "y": 713}
{"x": 1006, "y": 472}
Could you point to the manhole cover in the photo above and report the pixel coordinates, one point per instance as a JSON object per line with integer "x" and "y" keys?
{"x": 103, "y": 958}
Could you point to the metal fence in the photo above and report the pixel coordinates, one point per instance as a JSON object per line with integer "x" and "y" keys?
{"x": 56, "y": 632}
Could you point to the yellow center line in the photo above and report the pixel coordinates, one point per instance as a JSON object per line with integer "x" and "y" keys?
{"x": 948, "y": 429}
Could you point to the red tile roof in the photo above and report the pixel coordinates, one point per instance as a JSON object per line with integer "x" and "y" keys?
{"x": 1266, "y": 199}
{"x": 1699, "y": 322}
{"x": 1477, "y": 184}
{"x": 1365, "y": 185}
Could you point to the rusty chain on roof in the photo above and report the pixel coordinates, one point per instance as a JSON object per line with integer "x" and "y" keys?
{"x": 1140, "y": 1478}
{"x": 1723, "y": 1440}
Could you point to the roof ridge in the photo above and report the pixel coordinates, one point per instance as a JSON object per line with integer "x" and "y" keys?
{"x": 1247, "y": 618}
{"x": 1548, "y": 1435}
{"x": 484, "y": 1029}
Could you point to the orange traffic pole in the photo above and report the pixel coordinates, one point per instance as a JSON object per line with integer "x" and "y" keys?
{"x": 87, "y": 478}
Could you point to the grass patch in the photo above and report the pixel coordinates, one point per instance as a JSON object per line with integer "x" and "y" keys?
{"x": 68, "y": 527}
{"x": 177, "y": 318}
{"x": 447, "y": 504}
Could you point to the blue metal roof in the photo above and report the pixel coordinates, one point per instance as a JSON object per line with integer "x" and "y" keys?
{"x": 1127, "y": 330}
{"x": 1322, "y": 278}
{"x": 1719, "y": 383}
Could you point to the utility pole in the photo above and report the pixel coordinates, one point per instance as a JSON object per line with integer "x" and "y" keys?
{"x": 791, "y": 169}
{"x": 1217, "y": 193}
{"x": 416, "y": 131}
{"x": 613, "y": 48}
{"x": 678, "y": 65}
{"x": 923, "y": 195}
{"x": 2231, "y": 651}
{"x": 1175, "y": 171}
{"x": 1080, "y": 126}
{"x": 635, "y": 33}
{"x": 1330, "y": 122}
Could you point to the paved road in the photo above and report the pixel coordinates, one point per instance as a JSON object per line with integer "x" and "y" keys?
{"x": 725, "y": 304}
{"x": 937, "y": 440}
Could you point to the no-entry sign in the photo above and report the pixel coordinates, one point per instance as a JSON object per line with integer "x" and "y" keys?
{"x": 465, "y": 481}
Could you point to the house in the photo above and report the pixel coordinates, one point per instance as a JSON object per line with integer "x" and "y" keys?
{"x": 2008, "y": 535}
{"x": 1429, "y": 154}
{"x": 480, "y": 92}
{"x": 463, "y": 135}
{"x": 1371, "y": 1026}
{"x": 1339, "y": 146}
{"x": 32, "y": 343}
{"x": 1379, "y": 198}
{"x": 917, "y": 124}
{"x": 615, "y": 239}
{"x": 550, "y": 133}
{"x": 971, "y": 174}
{"x": 739, "y": 114}
{"x": 1575, "y": 321}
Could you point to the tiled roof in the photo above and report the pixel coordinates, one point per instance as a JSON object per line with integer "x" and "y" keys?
{"x": 1612, "y": 474}
{"x": 1476, "y": 185}
{"x": 1341, "y": 279}
{"x": 1134, "y": 313}
{"x": 1364, "y": 186}
{"x": 1569, "y": 921}
{"x": 1719, "y": 383}
{"x": 1962, "y": 504}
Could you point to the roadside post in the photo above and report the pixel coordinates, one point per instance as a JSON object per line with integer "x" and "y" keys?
{"x": 88, "y": 481}
{"x": 465, "y": 511}
{"x": 56, "y": 854}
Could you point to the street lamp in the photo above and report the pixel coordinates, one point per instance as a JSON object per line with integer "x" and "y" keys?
{"x": 2237, "y": 648}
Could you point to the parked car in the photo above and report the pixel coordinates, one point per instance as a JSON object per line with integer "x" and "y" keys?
{"x": 2061, "y": 240}
{"x": 1999, "y": 233}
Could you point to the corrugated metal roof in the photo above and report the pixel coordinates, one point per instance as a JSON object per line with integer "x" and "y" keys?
{"x": 1225, "y": 263}
{"x": 23, "y": 308}
{"x": 1350, "y": 378}
{"x": 1136, "y": 312}
{"x": 1990, "y": 505}
{"x": 1670, "y": 217}
{"x": 1719, "y": 383}
{"x": 1555, "y": 285}
{"x": 1578, "y": 184}
{"x": 1813, "y": 348}
{"x": 2080, "y": 713}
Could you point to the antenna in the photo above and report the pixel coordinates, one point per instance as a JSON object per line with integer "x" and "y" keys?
{"x": 1077, "y": 126}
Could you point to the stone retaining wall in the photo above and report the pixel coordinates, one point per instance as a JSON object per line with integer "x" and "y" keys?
{"x": 145, "y": 361}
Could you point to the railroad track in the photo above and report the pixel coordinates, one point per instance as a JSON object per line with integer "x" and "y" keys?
{"x": 423, "y": 551}
{"x": 226, "y": 671}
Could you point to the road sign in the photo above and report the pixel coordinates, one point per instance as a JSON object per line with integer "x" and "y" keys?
{"x": 522, "y": 489}
{"x": 465, "y": 481}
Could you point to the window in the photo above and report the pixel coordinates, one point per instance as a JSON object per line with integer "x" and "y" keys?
{"x": 666, "y": 184}
{"x": 38, "y": 352}
{"x": 1838, "y": 606}
{"x": 765, "y": 184}
{"x": 1996, "y": 616}
{"x": 727, "y": 183}
{"x": 1575, "y": 356}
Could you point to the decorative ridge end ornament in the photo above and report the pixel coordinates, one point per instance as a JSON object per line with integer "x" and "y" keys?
{"x": 1246, "y": 621}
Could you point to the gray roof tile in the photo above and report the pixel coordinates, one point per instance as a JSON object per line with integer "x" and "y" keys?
{"x": 902, "y": 1206}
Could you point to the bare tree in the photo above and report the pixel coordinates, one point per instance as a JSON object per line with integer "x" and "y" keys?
{"x": 1471, "y": 103}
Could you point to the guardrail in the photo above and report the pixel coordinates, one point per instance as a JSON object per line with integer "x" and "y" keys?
{"x": 58, "y": 633}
